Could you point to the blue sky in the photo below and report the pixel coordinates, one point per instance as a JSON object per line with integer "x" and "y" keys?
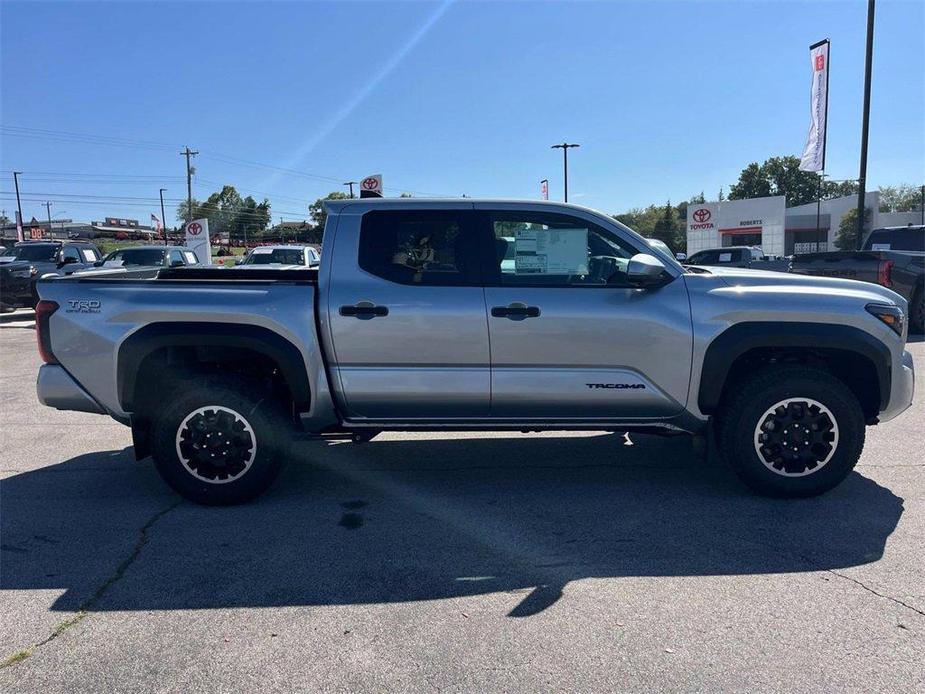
{"x": 666, "y": 99}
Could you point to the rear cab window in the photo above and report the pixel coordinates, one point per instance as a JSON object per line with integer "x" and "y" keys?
{"x": 911, "y": 239}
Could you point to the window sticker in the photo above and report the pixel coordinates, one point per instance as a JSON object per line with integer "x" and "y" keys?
{"x": 88, "y": 254}
{"x": 262, "y": 250}
{"x": 881, "y": 247}
{"x": 725, "y": 257}
{"x": 551, "y": 251}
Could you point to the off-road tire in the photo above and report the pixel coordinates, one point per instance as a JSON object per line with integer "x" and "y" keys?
{"x": 917, "y": 312}
{"x": 744, "y": 421}
{"x": 232, "y": 420}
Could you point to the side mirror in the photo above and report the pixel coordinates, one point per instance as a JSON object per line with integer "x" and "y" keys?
{"x": 645, "y": 270}
{"x": 177, "y": 263}
{"x": 68, "y": 260}
{"x": 98, "y": 263}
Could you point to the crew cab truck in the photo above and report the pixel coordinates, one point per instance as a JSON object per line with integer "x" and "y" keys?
{"x": 418, "y": 320}
{"x": 892, "y": 257}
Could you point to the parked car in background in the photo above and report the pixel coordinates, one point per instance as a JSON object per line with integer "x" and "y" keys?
{"x": 414, "y": 321}
{"x": 750, "y": 257}
{"x": 29, "y": 260}
{"x": 290, "y": 255}
{"x": 144, "y": 261}
{"x": 893, "y": 257}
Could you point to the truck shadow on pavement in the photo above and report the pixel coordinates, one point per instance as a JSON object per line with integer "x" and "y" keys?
{"x": 400, "y": 520}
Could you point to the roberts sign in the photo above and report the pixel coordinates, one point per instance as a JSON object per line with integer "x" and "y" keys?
{"x": 755, "y": 222}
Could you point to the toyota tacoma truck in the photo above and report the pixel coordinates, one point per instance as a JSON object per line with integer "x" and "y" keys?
{"x": 476, "y": 315}
{"x": 892, "y": 257}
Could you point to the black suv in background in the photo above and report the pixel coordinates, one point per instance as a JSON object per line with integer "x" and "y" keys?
{"x": 23, "y": 264}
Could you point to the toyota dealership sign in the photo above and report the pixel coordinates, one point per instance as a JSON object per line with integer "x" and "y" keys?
{"x": 755, "y": 222}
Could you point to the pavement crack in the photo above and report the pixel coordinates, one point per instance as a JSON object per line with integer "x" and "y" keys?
{"x": 814, "y": 564}
{"x": 83, "y": 610}
{"x": 879, "y": 595}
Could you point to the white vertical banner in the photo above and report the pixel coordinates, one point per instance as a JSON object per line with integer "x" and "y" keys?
{"x": 197, "y": 240}
{"x": 19, "y": 235}
{"x": 813, "y": 158}
{"x": 544, "y": 189}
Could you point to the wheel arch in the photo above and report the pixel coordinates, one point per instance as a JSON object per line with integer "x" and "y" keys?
{"x": 858, "y": 358}
{"x": 156, "y": 337}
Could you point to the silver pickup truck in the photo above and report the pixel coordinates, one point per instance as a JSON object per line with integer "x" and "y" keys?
{"x": 476, "y": 315}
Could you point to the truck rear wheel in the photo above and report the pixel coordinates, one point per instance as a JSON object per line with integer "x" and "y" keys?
{"x": 791, "y": 431}
{"x": 220, "y": 441}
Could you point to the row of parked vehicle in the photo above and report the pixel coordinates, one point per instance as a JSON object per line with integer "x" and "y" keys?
{"x": 24, "y": 263}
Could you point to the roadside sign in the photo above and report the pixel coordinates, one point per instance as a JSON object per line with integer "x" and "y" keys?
{"x": 197, "y": 240}
{"x": 371, "y": 186}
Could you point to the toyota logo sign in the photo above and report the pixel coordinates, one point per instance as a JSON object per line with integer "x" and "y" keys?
{"x": 194, "y": 228}
{"x": 702, "y": 215}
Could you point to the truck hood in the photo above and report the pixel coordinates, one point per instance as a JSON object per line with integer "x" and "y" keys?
{"x": 787, "y": 282}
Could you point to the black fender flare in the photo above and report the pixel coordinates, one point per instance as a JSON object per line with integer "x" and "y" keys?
{"x": 744, "y": 337}
{"x": 143, "y": 342}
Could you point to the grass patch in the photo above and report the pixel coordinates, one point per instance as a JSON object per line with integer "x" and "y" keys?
{"x": 17, "y": 657}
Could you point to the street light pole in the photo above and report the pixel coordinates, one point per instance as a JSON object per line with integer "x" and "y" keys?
{"x": 19, "y": 234}
{"x": 351, "y": 184}
{"x": 163, "y": 216}
{"x": 565, "y": 148}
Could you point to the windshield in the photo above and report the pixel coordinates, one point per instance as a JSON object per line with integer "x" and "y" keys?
{"x": 41, "y": 253}
{"x": 275, "y": 256}
{"x": 135, "y": 256}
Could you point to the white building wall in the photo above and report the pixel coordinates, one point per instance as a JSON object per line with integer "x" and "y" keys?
{"x": 707, "y": 222}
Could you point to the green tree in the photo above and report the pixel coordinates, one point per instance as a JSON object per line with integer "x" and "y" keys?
{"x": 668, "y": 229}
{"x": 777, "y": 176}
{"x": 229, "y": 213}
{"x": 317, "y": 212}
{"x": 846, "y": 238}
{"x": 901, "y": 198}
{"x": 3, "y": 218}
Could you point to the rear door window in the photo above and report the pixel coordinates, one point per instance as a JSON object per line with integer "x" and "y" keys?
{"x": 419, "y": 247}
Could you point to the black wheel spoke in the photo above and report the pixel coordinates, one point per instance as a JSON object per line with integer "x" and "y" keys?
{"x": 216, "y": 444}
{"x": 796, "y": 437}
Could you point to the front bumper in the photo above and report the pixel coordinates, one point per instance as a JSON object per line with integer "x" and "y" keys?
{"x": 56, "y": 388}
{"x": 901, "y": 390}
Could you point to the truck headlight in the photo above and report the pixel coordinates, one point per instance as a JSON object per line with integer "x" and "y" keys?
{"x": 892, "y": 316}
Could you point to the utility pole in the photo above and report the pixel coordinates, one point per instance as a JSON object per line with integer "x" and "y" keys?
{"x": 19, "y": 234}
{"x": 189, "y": 183}
{"x": 865, "y": 125}
{"x": 351, "y": 184}
{"x": 48, "y": 211}
{"x": 565, "y": 148}
{"x": 163, "y": 216}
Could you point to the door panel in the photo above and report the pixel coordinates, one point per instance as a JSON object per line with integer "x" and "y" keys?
{"x": 592, "y": 352}
{"x": 570, "y": 338}
{"x": 407, "y": 320}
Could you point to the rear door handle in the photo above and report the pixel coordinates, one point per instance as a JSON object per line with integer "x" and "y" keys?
{"x": 364, "y": 310}
{"x": 516, "y": 311}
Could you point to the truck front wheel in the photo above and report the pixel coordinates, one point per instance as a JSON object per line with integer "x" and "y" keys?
{"x": 219, "y": 442}
{"x": 791, "y": 431}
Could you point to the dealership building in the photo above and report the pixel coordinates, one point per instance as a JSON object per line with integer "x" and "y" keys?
{"x": 777, "y": 229}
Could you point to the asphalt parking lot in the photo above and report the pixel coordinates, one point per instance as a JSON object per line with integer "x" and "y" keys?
{"x": 482, "y": 562}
